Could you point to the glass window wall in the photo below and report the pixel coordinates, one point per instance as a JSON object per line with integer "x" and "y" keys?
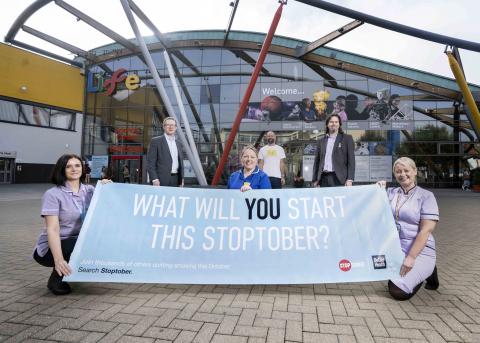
{"x": 292, "y": 98}
{"x": 36, "y": 115}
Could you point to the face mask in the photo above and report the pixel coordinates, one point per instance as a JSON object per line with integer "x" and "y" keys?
{"x": 270, "y": 141}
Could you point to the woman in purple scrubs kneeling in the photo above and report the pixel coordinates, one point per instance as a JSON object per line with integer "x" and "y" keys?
{"x": 63, "y": 207}
{"x": 416, "y": 214}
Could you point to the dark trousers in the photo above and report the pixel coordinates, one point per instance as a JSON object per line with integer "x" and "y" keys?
{"x": 329, "y": 180}
{"x": 67, "y": 249}
{"x": 172, "y": 181}
{"x": 276, "y": 182}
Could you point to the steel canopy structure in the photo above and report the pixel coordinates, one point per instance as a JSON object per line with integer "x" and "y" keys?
{"x": 313, "y": 54}
{"x": 228, "y": 38}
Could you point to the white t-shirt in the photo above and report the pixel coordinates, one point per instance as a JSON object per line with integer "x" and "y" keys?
{"x": 271, "y": 156}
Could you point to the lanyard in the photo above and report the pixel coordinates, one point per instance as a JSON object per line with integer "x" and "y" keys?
{"x": 399, "y": 205}
{"x": 80, "y": 208}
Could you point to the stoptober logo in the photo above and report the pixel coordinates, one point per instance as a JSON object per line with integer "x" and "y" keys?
{"x": 344, "y": 265}
{"x": 379, "y": 262}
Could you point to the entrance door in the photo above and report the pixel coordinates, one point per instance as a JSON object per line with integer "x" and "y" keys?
{"x": 133, "y": 164}
{"x": 6, "y": 166}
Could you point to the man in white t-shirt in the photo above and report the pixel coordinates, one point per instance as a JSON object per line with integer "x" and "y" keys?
{"x": 271, "y": 159}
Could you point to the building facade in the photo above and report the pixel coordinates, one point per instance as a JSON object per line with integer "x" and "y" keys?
{"x": 390, "y": 110}
{"x": 108, "y": 111}
{"x": 41, "y": 105}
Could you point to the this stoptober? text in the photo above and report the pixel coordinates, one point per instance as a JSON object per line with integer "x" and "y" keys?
{"x": 228, "y": 219}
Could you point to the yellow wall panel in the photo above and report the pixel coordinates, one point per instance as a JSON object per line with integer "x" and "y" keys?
{"x": 31, "y": 77}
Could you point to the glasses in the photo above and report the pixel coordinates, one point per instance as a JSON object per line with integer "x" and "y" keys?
{"x": 169, "y": 125}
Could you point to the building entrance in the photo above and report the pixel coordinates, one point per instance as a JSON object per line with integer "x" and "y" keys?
{"x": 127, "y": 168}
{"x": 6, "y": 170}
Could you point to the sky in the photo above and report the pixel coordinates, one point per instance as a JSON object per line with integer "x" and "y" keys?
{"x": 451, "y": 18}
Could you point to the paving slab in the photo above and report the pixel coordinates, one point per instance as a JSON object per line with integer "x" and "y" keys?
{"x": 352, "y": 312}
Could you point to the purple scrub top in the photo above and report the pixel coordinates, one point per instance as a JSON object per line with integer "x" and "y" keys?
{"x": 414, "y": 206}
{"x": 70, "y": 208}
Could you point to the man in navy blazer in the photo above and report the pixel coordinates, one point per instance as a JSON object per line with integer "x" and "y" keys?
{"x": 335, "y": 160}
{"x": 165, "y": 157}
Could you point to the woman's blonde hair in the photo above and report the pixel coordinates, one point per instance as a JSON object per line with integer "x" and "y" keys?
{"x": 249, "y": 147}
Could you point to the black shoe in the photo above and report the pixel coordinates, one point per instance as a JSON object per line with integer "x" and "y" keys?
{"x": 432, "y": 281}
{"x": 57, "y": 286}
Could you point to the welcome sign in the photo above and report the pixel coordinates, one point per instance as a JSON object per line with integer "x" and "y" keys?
{"x": 137, "y": 233}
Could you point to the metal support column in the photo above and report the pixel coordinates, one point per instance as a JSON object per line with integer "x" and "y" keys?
{"x": 181, "y": 107}
{"x": 471, "y": 107}
{"x": 243, "y": 106}
{"x": 161, "y": 89}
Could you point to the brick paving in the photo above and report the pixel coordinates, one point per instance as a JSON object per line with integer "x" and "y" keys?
{"x": 357, "y": 312}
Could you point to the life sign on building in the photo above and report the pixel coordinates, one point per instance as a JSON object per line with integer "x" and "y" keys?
{"x": 98, "y": 83}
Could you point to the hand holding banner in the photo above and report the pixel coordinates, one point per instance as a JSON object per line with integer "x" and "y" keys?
{"x": 136, "y": 233}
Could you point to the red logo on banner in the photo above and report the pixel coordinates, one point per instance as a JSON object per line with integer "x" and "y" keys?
{"x": 345, "y": 265}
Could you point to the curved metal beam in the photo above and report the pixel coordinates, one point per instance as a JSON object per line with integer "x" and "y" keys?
{"x": 23, "y": 17}
{"x": 390, "y": 25}
{"x": 97, "y": 25}
{"x": 326, "y": 61}
{"x": 45, "y": 53}
{"x": 59, "y": 43}
{"x": 308, "y": 48}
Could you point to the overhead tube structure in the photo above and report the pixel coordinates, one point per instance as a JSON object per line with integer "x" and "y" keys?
{"x": 181, "y": 107}
{"x": 160, "y": 88}
{"x": 230, "y": 21}
{"x": 390, "y": 25}
{"x": 165, "y": 43}
{"x": 23, "y": 17}
{"x": 467, "y": 94}
{"x": 243, "y": 106}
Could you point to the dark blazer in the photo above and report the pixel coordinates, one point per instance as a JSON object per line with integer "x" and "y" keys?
{"x": 343, "y": 158}
{"x": 159, "y": 160}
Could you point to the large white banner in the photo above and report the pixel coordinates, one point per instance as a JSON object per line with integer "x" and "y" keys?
{"x": 137, "y": 233}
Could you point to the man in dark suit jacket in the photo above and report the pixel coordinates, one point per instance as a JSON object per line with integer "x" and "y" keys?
{"x": 165, "y": 158}
{"x": 335, "y": 160}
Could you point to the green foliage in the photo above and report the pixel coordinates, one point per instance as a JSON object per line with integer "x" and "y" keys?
{"x": 373, "y": 136}
{"x": 431, "y": 132}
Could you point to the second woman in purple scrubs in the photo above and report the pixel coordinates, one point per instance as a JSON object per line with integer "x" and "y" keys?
{"x": 416, "y": 214}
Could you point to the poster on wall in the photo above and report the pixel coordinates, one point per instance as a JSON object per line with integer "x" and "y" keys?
{"x": 98, "y": 162}
{"x": 362, "y": 168}
{"x": 292, "y": 109}
{"x": 380, "y": 168}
